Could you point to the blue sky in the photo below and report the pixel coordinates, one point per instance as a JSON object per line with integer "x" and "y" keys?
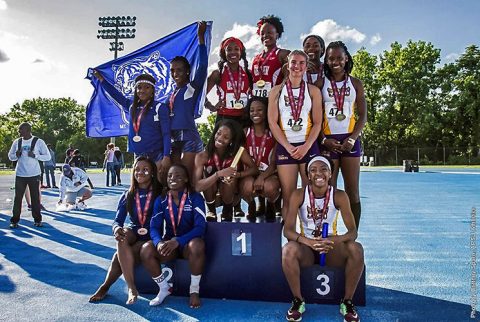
{"x": 46, "y": 46}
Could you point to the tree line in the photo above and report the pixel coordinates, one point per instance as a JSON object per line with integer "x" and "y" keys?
{"x": 413, "y": 101}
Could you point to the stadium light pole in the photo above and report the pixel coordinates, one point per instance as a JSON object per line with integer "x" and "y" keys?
{"x": 115, "y": 28}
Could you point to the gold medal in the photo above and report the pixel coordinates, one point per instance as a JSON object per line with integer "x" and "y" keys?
{"x": 137, "y": 138}
{"x": 238, "y": 105}
{"x": 340, "y": 117}
{"x": 296, "y": 127}
{"x": 142, "y": 231}
{"x": 261, "y": 83}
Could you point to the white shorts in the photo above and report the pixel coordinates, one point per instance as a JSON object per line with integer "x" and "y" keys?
{"x": 71, "y": 197}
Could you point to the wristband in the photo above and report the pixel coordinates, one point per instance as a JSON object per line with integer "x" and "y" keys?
{"x": 351, "y": 141}
{"x": 323, "y": 140}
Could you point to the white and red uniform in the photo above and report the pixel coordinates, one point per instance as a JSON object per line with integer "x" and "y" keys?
{"x": 266, "y": 150}
{"x": 226, "y": 92}
{"x": 270, "y": 73}
{"x": 307, "y": 224}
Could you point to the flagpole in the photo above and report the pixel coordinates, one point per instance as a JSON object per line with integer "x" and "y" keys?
{"x": 116, "y": 34}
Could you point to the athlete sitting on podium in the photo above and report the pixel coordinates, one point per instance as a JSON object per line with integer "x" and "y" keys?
{"x": 182, "y": 214}
{"x": 314, "y": 205}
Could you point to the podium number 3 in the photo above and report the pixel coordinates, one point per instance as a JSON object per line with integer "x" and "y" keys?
{"x": 324, "y": 283}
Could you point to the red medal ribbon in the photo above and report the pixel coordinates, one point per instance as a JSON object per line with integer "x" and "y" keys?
{"x": 136, "y": 123}
{"x": 296, "y": 109}
{"x": 172, "y": 99}
{"x": 237, "y": 86}
{"x": 258, "y": 157}
{"x": 263, "y": 60}
{"x": 339, "y": 96}
{"x": 142, "y": 215}
{"x": 216, "y": 159}
{"x": 180, "y": 210}
{"x": 313, "y": 208}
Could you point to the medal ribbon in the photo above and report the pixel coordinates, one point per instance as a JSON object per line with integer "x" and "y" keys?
{"x": 258, "y": 157}
{"x": 172, "y": 99}
{"x": 180, "y": 210}
{"x": 313, "y": 208}
{"x": 296, "y": 109}
{"x": 237, "y": 86}
{"x": 263, "y": 61}
{"x": 136, "y": 123}
{"x": 142, "y": 215}
{"x": 216, "y": 159}
{"x": 339, "y": 97}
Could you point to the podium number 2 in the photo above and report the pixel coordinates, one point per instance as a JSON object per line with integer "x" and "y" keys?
{"x": 324, "y": 280}
{"x": 241, "y": 243}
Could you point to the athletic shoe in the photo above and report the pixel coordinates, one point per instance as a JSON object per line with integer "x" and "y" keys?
{"x": 81, "y": 205}
{"x": 211, "y": 216}
{"x": 13, "y": 225}
{"x": 70, "y": 206}
{"x": 55, "y": 187}
{"x": 238, "y": 211}
{"x": 48, "y": 187}
{"x": 347, "y": 309}
{"x": 296, "y": 311}
{"x": 38, "y": 224}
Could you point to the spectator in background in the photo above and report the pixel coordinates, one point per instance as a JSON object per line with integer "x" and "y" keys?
{"x": 72, "y": 185}
{"x": 69, "y": 154}
{"x": 77, "y": 160}
{"x": 109, "y": 165}
{"x": 27, "y": 151}
{"x": 42, "y": 171}
{"x": 50, "y": 168}
{"x": 118, "y": 164}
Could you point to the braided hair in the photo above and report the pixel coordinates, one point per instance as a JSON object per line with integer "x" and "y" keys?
{"x": 348, "y": 66}
{"x": 136, "y": 99}
{"x": 273, "y": 20}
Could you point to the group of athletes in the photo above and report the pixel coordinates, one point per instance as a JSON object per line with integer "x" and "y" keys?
{"x": 288, "y": 115}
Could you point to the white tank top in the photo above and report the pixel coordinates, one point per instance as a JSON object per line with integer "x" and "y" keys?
{"x": 286, "y": 118}
{"x": 307, "y": 224}
{"x": 330, "y": 124}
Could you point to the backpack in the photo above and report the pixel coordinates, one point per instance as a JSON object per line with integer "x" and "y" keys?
{"x": 32, "y": 146}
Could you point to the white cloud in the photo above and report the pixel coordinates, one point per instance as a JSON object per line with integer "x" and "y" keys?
{"x": 375, "y": 39}
{"x": 450, "y": 58}
{"x": 3, "y": 5}
{"x": 330, "y": 31}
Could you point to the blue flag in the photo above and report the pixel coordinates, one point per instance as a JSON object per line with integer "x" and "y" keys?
{"x": 106, "y": 117}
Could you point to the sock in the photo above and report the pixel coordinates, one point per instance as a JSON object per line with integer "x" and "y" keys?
{"x": 164, "y": 290}
{"x": 357, "y": 212}
{"x": 195, "y": 283}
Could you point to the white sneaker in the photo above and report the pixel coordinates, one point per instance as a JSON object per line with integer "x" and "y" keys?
{"x": 69, "y": 207}
{"x": 81, "y": 205}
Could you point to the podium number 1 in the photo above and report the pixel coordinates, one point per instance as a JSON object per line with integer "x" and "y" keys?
{"x": 241, "y": 243}
{"x": 242, "y": 238}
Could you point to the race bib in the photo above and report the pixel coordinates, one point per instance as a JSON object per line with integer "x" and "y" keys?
{"x": 232, "y": 103}
{"x": 332, "y": 111}
{"x": 261, "y": 91}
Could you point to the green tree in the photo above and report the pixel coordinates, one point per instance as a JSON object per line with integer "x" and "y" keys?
{"x": 366, "y": 69}
{"x": 406, "y": 74}
{"x": 206, "y": 129}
